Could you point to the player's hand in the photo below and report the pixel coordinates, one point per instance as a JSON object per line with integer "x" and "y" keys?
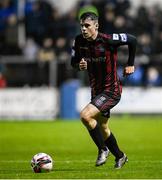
{"x": 83, "y": 64}
{"x": 128, "y": 70}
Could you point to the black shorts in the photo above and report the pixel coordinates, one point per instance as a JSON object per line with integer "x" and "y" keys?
{"x": 104, "y": 102}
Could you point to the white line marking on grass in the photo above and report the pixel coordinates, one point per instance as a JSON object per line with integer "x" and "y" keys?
{"x": 77, "y": 161}
{"x": 67, "y": 162}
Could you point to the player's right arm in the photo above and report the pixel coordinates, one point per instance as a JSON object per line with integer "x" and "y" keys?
{"x": 77, "y": 61}
{"x": 75, "y": 57}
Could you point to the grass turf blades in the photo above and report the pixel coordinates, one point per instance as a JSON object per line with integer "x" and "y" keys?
{"x": 74, "y": 153}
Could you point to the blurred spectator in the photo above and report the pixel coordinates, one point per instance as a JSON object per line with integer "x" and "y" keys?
{"x": 158, "y": 43}
{"x": 109, "y": 18}
{"x": 46, "y": 53}
{"x": 30, "y": 50}
{"x": 7, "y": 7}
{"x": 153, "y": 77}
{"x": 120, "y": 24}
{"x": 71, "y": 26}
{"x": 11, "y": 36}
{"x": 62, "y": 49}
{"x": 57, "y": 25}
{"x": 37, "y": 21}
{"x": 63, "y": 56}
{"x": 122, "y": 6}
{"x": 144, "y": 44}
{"x": 142, "y": 22}
{"x": 3, "y": 82}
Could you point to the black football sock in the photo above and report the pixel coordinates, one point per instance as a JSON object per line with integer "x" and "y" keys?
{"x": 97, "y": 137}
{"x": 112, "y": 145}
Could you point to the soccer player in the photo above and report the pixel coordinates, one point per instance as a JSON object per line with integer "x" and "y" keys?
{"x": 97, "y": 53}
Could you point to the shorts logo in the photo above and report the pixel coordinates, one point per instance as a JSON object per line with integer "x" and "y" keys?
{"x": 106, "y": 113}
{"x": 100, "y": 101}
{"x": 102, "y": 98}
{"x": 123, "y": 37}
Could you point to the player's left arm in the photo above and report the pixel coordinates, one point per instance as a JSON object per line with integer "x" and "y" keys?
{"x": 130, "y": 40}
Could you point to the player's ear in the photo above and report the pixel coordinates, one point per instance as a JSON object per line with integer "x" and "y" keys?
{"x": 97, "y": 25}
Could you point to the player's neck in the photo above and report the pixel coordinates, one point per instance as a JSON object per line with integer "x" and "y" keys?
{"x": 93, "y": 37}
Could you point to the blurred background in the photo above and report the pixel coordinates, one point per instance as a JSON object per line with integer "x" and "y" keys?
{"x": 36, "y": 79}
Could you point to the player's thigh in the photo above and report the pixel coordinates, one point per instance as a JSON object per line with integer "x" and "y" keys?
{"x": 90, "y": 111}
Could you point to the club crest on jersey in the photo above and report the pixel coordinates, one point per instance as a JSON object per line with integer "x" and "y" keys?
{"x": 100, "y": 48}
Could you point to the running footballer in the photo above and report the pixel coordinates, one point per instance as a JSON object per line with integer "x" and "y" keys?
{"x": 97, "y": 53}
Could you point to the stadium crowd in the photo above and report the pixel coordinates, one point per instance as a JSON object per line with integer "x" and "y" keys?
{"x": 39, "y": 32}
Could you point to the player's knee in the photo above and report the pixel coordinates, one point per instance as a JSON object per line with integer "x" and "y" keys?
{"x": 84, "y": 117}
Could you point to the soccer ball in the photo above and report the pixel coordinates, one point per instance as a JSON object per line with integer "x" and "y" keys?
{"x": 41, "y": 162}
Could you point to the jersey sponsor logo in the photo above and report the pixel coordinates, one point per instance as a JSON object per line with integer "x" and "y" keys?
{"x": 97, "y": 59}
{"x": 86, "y": 48}
{"x": 115, "y": 36}
{"x": 123, "y": 37}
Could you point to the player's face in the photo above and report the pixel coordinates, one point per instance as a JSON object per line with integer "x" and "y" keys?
{"x": 89, "y": 28}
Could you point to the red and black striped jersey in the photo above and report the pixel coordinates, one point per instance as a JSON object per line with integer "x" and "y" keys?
{"x": 101, "y": 57}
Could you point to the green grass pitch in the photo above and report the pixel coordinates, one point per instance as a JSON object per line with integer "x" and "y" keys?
{"x": 74, "y": 153}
